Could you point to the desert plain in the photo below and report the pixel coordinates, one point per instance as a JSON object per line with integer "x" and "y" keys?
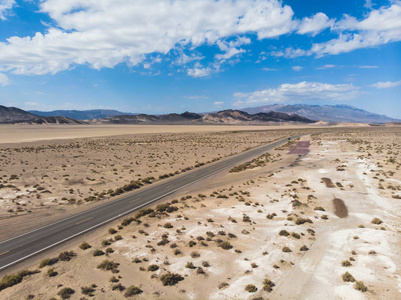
{"x": 317, "y": 218}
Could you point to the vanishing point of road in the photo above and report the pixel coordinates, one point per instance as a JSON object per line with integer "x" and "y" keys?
{"x": 29, "y": 244}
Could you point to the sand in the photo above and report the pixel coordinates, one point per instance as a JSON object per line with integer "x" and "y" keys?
{"x": 260, "y": 212}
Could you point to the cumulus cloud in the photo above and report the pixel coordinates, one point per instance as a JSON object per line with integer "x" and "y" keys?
{"x": 387, "y": 84}
{"x": 218, "y": 103}
{"x": 109, "y": 32}
{"x": 5, "y": 7}
{"x": 381, "y": 26}
{"x": 199, "y": 71}
{"x": 315, "y": 24}
{"x": 300, "y": 92}
{"x": 268, "y": 69}
{"x": 4, "y": 79}
{"x": 297, "y": 68}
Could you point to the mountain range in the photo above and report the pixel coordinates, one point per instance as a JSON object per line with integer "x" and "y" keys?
{"x": 14, "y": 115}
{"x": 80, "y": 114}
{"x": 228, "y": 116}
{"x": 327, "y": 113}
{"x": 276, "y": 113}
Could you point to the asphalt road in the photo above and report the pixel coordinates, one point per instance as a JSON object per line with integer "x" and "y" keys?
{"x": 29, "y": 244}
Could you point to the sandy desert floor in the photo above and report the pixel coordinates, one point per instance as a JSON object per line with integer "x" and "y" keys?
{"x": 47, "y": 180}
{"x": 320, "y": 225}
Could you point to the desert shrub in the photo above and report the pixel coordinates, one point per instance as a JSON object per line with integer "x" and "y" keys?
{"x": 109, "y": 250}
{"x": 325, "y": 217}
{"x": 295, "y": 235}
{"x": 376, "y": 221}
{"x": 225, "y": 245}
{"x": 271, "y": 216}
{"x": 191, "y": 243}
{"x": 246, "y": 218}
{"x": 153, "y": 268}
{"x": 268, "y": 285}
{"x": 106, "y": 243}
{"x": 347, "y": 277}
{"x": 114, "y": 279}
{"x": 108, "y": 265}
{"x": 143, "y": 212}
{"x": 48, "y": 262}
{"x": 254, "y": 265}
{"x": 132, "y": 290}
{"x": 190, "y": 265}
{"x": 286, "y": 249}
{"x": 118, "y": 237}
{"x": 51, "y": 273}
{"x": 168, "y": 225}
{"x": 283, "y": 233}
{"x": 118, "y": 287}
{"x": 112, "y": 231}
{"x": 171, "y": 279}
{"x": 65, "y": 293}
{"x": 319, "y": 208}
{"x": 359, "y": 286}
{"x": 195, "y": 254}
{"x": 85, "y": 246}
{"x": 251, "y": 288}
{"x": 127, "y": 221}
{"x": 66, "y": 255}
{"x": 300, "y": 221}
{"x": 87, "y": 290}
{"x": 177, "y": 251}
{"x": 304, "y": 248}
{"x": 13, "y": 279}
{"x": 205, "y": 264}
{"x": 98, "y": 252}
{"x": 346, "y": 263}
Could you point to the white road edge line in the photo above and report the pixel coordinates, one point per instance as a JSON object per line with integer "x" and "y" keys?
{"x": 116, "y": 217}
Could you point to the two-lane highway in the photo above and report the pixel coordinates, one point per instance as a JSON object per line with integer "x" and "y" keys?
{"x": 26, "y": 245}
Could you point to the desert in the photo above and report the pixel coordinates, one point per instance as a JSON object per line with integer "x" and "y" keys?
{"x": 315, "y": 218}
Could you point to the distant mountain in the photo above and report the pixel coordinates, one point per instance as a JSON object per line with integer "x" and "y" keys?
{"x": 222, "y": 117}
{"x": 13, "y": 114}
{"x": 80, "y": 114}
{"x": 183, "y": 118}
{"x": 327, "y": 113}
{"x": 53, "y": 120}
{"x": 230, "y": 116}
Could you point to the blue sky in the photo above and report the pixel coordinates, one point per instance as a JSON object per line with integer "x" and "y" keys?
{"x": 172, "y": 56}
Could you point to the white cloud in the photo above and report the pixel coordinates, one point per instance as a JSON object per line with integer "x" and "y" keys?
{"x": 5, "y": 7}
{"x": 315, "y": 24}
{"x": 387, "y": 84}
{"x": 326, "y": 67}
{"x": 300, "y": 92}
{"x": 218, "y": 103}
{"x": 381, "y": 26}
{"x": 368, "y": 67}
{"x": 230, "y": 48}
{"x": 108, "y": 32}
{"x": 269, "y": 69}
{"x": 297, "y": 68}
{"x": 199, "y": 71}
{"x": 4, "y": 79}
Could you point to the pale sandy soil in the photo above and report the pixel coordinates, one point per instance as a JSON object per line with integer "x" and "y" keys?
{"x": 31, "y": 133}
{"x": 363, "y": 165}
{"x": 46, "y": 180}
